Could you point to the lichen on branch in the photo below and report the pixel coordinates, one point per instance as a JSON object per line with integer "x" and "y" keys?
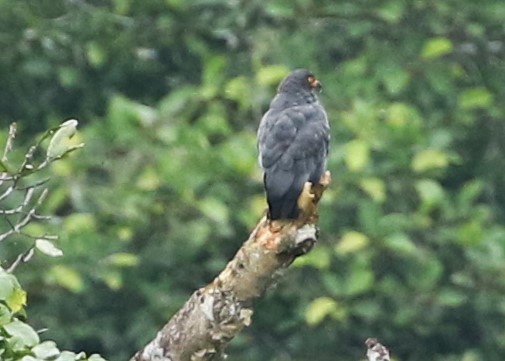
{"x": 214, "y": 314}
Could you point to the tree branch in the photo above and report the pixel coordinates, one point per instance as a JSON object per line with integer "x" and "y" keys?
{"x": 213, "y": 315}
{"x": 375, "y": 350}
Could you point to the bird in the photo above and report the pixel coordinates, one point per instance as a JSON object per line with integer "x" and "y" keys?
{"x": 375, "y": 350}
{"x": 292, "y": 139}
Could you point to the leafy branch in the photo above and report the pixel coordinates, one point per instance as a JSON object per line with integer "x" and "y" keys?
{"x": 19, "y": 341}
{"x": 27, "y": 195}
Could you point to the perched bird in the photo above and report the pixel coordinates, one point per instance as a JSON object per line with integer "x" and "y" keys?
{"x": 376, "y": 351}
{"x": 293, "y": 139}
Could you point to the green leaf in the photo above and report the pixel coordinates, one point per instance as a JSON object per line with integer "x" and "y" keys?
{"x": 69, "y": 76}
{"x": 46, "y": 350}
{"x": 279, "y": 9}
{"x": 271, "y": 75}
{"x": 395, "y": 79}
{"x": 77, "y": 223}
{"x": 400, "y": 243}
{"x": 17, "y": 300}
{"x": 113, "y": 279}
{"x": 123, "y": 259}
{"x": 238, "y": 89}
{"x": 357, "y": 155}
{"x": 11, "y": 292}
{"x": 333, "y": 283}
{"x": 96, "y": 54}
{"x": 359, "y": 281}
{"x": 351, "y": 241}
{"x": 367, "y": 309}
{"x": 67, "y": 277}
{"x": 429, "y": 159}
{"x": 30, "y": 358}
{"x": 392, "y": 11}
{"x": 436, "y": 47}
{"x": 214, "y": 209}
{"x": 5, "y": 314}
{"x": 96, "y": 357}
{"x": 451, "y": 297}
{"x": 3, "y": 167}
{"x": 401, "y": 115}
{"x": 48, "y": 248}
{"x": 60, "y": 142}
{"x": 7, "y": 285}
{"x": 318, "y": 258}
{"x": 427, "y": 275}
{"x": 375, "y": 188}
{"x": 430, "y": 192}
{"x": 149, "y": 179}
{"x": 475, "y": 98}
{"x": 470, "y": 192}
{"x": 22, "y": 335}
{"x": 470, "y": 232}
{"x": 322, "y": 307}
{"x": 67, "y": 356}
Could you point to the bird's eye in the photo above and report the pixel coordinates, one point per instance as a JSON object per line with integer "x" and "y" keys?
{"x": 313, "y": 82}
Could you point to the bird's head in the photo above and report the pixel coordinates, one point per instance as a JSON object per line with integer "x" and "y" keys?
{"x": 300, "y": 79}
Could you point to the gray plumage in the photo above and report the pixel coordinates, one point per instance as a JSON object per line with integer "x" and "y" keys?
{"x": 293, "y": 139}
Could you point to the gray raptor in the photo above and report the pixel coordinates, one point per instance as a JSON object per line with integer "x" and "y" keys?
{"x": 293, "y": 139}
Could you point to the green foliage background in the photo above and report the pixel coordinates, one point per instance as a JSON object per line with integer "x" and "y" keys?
{"x": 169, "y": 94}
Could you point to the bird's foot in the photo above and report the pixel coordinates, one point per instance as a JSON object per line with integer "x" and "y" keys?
{"x": 306, "y": 198}
{"x": 306, "y": 203}
{"x": 325, "y": 179}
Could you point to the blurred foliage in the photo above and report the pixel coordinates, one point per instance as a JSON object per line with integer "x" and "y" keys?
{"x": 19, "y": 341}
{"x": 170, "y": 94}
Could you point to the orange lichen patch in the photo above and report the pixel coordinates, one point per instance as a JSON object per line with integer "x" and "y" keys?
{"x": 262, "y": 233}
{"x": 271, "y": 242}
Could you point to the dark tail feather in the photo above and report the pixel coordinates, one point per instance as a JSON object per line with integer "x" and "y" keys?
{"x": 284, "y": 208}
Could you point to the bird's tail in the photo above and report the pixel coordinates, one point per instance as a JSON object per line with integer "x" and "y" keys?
{"x": 283, "y": 208}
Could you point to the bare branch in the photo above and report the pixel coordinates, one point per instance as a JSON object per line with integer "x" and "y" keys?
{"x": 19, "y": 209}
{"x": 216, "y": 313}
{"x": 13, "y": 183}
{"x": 34, "y": 185}
{"x": 47, "y": 237}
{"x": 22, "y": 258}
{"x": 30, "y": 215}
{"x": 9, "y": 142}
{"x": 375, "y": 350}
{"x": 7, "y": 192}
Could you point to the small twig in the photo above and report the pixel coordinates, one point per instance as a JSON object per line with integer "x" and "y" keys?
{"x": 40, "y": 217}
{"x": 26, "y": 219}
{"x": 21, "y": 258}
{"x": 19, "y": 209}
{"x": 46, "y": 237}
{"x": 10, "y": 212}
{"x": 13, "y": 182}
{"x": 7, "y": 192}
{"x": 375, "y": 350}
{"x": 10, "y": 140}
{"x": 34, "y": 185}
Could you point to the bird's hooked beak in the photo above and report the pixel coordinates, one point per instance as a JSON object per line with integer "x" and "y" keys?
{"x": 315, "y": 84}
